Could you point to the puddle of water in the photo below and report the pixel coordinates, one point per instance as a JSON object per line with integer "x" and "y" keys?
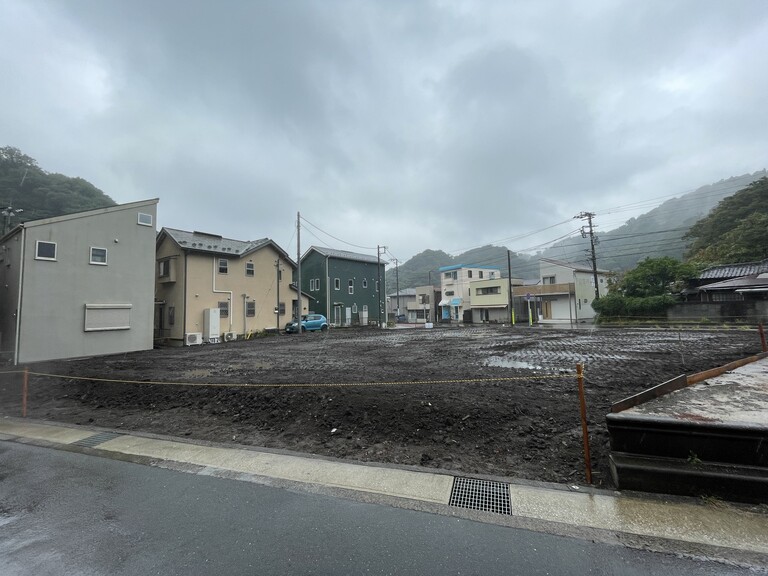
{"x": 502, "y": 362}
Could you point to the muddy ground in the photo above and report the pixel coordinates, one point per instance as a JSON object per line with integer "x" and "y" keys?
{"x": 488, "y": 400}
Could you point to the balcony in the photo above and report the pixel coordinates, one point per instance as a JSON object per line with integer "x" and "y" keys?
{"x": 546, "y": 289}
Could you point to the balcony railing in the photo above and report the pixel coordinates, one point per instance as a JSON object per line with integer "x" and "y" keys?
{"x": 545, "y": 289}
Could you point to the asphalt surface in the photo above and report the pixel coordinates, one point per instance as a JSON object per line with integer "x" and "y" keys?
{"x": 66, "y": 512}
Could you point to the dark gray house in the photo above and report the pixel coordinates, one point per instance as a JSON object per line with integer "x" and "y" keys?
{"x": 726, "y": 293}
{"x": 345, "y": 286}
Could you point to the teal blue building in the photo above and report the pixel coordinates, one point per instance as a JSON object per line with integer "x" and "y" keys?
{"x": 346, "y": 287}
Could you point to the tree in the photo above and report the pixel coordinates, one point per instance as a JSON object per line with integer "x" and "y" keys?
{"x": 655, "y": 277}
{"x": 40, "y": 194}
{"x": 735, "y": 231}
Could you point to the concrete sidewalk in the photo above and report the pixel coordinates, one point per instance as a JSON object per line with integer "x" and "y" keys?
{"x": 708, "y": 528}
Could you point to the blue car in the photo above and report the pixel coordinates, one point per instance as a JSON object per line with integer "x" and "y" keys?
{"x": 309, "y": 322}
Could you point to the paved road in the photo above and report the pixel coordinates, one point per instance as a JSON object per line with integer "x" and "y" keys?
{"x": 67, "y": 513}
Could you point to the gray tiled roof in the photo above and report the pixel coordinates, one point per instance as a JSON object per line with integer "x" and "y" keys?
{"x": 744, "y": 282}
{"x": 727, "y": 271}
{"x": 345, "y": 255}
{"x": 213, "y": 244}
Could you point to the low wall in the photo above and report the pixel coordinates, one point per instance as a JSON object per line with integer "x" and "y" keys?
{"x": 751, "y": 311}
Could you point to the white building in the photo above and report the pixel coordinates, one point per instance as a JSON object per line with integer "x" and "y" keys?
{"x": 455, "y": 287}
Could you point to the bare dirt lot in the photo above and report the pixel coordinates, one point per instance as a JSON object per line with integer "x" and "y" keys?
{"x": 488, "y": 400}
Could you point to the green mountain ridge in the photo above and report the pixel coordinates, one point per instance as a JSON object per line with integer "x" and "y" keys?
{"x": 657, "y": 233}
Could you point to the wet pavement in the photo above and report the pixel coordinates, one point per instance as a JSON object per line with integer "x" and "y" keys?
{"x": 717, "y": 530}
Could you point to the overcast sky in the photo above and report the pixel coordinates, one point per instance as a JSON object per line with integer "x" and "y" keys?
{"x": 415, "y": 125}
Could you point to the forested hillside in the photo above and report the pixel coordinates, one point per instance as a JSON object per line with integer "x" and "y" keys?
{"x": 735, "y": 231}
{"x": 661, "y": 232}
{"x": 657, "y": 233}
{"x": 40, "y": 194}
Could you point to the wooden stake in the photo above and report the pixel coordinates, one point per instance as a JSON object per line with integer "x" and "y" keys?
{"x": 762, "y": 336}
{"x": 584, "y": 430}
{"x": 24, "y": 387}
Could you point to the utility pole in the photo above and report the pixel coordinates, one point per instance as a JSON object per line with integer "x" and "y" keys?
{"x": 277, "y": 308}
{"x": 379, "y": 251}
{"x": 509, "y": 279}
{"x": 397, "y": 283}
{"x": 298, "y": 270}
{"x": 9, "y": 212}
{"x": 588, "y": 217}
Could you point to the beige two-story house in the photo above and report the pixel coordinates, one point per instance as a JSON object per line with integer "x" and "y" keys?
{"x": 212, "y": 289}
{"x": 490, "y": 301}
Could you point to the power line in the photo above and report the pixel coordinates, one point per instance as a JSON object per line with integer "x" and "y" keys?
{"x": 337, "y": 239}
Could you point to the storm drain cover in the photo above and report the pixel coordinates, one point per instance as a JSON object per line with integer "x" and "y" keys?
{"x": 484, "y": 495}
{"x": 97, "y": 439}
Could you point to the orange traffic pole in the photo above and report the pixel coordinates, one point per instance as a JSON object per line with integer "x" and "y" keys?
{"x": 584, "y": 430}
{"x": 24, "y": 388}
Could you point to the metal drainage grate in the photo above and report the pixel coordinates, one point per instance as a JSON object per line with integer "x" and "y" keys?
{"x": 484, "y": 495}
{"x": 97, "y": 439}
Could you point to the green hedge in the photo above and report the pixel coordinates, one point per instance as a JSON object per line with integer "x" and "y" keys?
{"x": 617, "y": 306}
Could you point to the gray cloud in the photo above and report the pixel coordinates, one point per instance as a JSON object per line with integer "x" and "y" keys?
{"x": 411, "y": 124}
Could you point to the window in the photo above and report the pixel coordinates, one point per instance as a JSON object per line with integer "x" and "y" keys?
{"x": 480, "y": 274}
{"x": 354, "y": 308}
{"x": 469, "y": 274}
{"x": 281, "y": 309}
{"x": 45, "y": 250}
{"x": 171, "y": 315}
{"x": 336, "y": 284}
{"x": 145, "y": 219}
{"x": 164, "y": 268}
{"x": 548, "y": 280}
{"x": 365, "y": 282}
{"x": 249, "y": 269}
{"x": 377, "y": 285}
{"x": 449, "y": 292}
{"x": 726, "y": 296}
{"x": 365, "y": 308}
{"x": 250, "y": 308}
{"x": 98, "y": 256}
{"x": 223, "y": 266}
{"x": 351, "y": 287}
{"x": 317, "y": 284}
{"x": 224, "y": 309}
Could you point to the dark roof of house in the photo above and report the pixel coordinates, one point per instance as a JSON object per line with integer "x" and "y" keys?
{"x": 214, "y": 244}
{"x": 346, "y": 255}
{"x": 743, "y": 283}
{"x": 726, "y": 271}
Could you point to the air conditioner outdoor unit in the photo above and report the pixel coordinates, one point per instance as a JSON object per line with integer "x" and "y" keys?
{"x": 229, "y": 336}
{"x": 193, "y": 338}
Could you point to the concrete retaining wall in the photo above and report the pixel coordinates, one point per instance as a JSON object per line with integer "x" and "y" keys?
{"x": 752, "y": 311}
